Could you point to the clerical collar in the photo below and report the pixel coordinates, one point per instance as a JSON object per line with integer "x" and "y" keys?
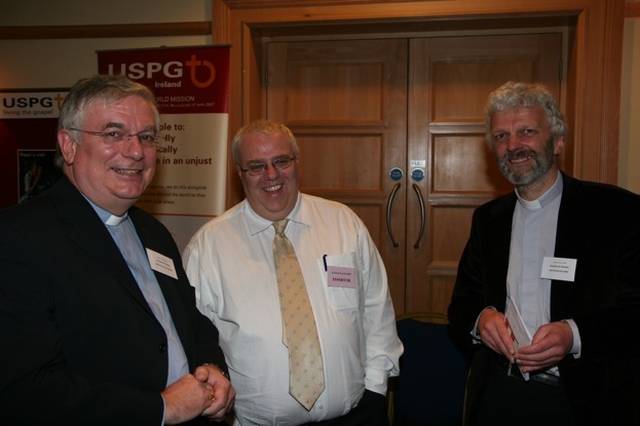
{"x": 114, "y": 220}
{"x": 551, "y": 194}
{"x": 106, "y": 217}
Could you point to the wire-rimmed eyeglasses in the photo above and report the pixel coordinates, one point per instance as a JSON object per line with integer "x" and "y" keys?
{"x": 258, "y": 169}
{"x": 147, "y": 138}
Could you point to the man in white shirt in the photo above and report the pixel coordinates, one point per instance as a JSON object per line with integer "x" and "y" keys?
{"x": 230, "y": 263}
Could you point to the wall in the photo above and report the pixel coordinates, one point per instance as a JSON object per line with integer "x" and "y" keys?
{"x": 59, "y": 63}
{"x": 629, "y": 150}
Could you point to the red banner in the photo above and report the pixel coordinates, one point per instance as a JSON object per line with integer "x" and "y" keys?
{"x": 28, "y": 123}
{"x": 185, "y": 80}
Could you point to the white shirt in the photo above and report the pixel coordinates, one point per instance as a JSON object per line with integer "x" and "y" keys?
{"x": 533, "y": 237}
{"x": 229, "y": 261}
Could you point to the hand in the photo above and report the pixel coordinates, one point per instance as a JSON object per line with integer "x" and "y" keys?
{"x": 495, "y": 334}
{"x": 549, "y": 345}
{"x": 186, "y": 399}
{"x": 223, "y": 391}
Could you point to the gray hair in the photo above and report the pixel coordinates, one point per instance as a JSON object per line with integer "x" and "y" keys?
{"x": 513, "y": 95}
{"x": 100, "y": 88}
{"x": 265, "y": 127}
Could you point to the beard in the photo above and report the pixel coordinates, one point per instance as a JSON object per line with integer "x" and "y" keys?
{"x": 527, "y": 175}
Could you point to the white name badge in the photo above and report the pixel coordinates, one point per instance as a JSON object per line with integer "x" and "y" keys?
{"x": 161, "y": 263}
{"x": 559, "y": 268}
{"x": 339, "y": 276}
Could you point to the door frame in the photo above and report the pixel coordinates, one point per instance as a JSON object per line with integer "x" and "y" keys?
{"x": 592, "y": 105}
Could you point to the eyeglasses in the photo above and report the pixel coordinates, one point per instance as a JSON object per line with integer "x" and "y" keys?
{"x": 258, "y": 169}
{"x": 147, "y": 138}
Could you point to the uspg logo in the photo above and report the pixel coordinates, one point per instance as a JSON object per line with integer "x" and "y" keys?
{"x": 170, "y": 70}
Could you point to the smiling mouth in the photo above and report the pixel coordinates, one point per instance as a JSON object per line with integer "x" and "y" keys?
{"x": 273, "y": 188}
{"x": 126, "y": 171}
{"x": 520, "y": 157}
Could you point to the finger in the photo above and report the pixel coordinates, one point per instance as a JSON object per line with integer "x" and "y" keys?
{"x": 216, "y": 411}
{"x": 201, "y": 374}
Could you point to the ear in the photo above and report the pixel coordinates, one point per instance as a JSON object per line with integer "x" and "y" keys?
{"x": 239, "y": 171}
{"x": 67, "y": 146}
{"x": 558, "y": 146}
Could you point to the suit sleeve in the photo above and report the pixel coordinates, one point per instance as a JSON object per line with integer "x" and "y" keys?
{"x": 468, "y": 298}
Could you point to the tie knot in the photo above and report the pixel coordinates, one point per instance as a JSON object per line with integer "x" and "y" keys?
{"x": 280, "y": 226}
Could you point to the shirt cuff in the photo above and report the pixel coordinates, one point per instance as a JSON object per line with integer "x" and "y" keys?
{"x": 376, "y": 381}
{"x": 576, "y": 349}
{"x": 164, "y": 409}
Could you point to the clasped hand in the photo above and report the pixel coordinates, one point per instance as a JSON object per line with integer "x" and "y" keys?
{"x": 550, "y": 343}
{"x": 207, "y": 393}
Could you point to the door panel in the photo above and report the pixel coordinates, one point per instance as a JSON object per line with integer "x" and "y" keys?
{"x": 346, "y": 102}
{"x": 449, "y": 81}
{"x": 360, "y": 108}
{"x": 336, "y": 160}
{"x": 456, "y": 152}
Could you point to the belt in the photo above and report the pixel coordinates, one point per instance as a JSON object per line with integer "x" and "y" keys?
{"x": 512, "y": 370}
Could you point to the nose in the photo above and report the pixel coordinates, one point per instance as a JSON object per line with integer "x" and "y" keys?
{"x": 272, "y": 171}
{"x": 133, "y": 148}
{"x": 513, "y": 143}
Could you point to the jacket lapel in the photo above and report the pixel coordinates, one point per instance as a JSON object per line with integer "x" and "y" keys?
{"x": 89, "y": 233}
{"x": 157, "y": 241}
{"x": 574, "y": 230}
{"x": 499, "y": 237}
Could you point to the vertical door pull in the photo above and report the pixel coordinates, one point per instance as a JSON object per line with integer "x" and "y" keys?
{"x": 392, "y": 196}
{"x": 416, "y": 188}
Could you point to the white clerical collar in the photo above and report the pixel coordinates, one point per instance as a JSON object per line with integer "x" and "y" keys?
{"x": 106, "y": 217}
{"x": 544, "y": 199}
{"x": 114, "y": 220}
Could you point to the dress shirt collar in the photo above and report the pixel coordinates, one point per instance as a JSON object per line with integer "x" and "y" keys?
{"x": 259, "y": 224}
{"x": 544, "y": 199}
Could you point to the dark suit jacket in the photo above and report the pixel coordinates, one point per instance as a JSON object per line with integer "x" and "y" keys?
{"x": 78, "y": 341}
{"x": 599, "y": 225}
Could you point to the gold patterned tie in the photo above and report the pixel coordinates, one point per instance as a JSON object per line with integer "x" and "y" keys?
{"x": 300, "y": 335}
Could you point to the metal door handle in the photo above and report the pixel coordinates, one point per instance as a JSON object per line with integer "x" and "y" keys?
{"x": 392, "y": 196}
{"x": 416, "y": 188}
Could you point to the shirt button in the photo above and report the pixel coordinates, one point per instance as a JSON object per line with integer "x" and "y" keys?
{"x": 162, "y": 348}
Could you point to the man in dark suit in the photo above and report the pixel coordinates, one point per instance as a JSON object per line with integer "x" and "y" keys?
{"x": 98, "y": 323}
{"x": 560, "y": 258}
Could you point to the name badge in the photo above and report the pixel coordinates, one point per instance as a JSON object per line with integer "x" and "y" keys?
{"x": 161, "y": 263}
{"x": 559, "y": 268}
{"x": 339, "y": 276}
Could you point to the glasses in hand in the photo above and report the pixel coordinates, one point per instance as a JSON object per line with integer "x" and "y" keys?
{"x": 258, "y": 169}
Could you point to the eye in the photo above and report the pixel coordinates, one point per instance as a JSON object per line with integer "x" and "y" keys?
{"x": 500, "y": 137}
{"x": 257, "y": 167}
{"x": 147, "y": 138}
{"x": 527, "y": 132}
{"x": 282, "y": 162}
{"x": 114, "y": 136}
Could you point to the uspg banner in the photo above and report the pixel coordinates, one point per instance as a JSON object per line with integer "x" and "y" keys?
{"x": 191, "y": 87}
{"x": 28, "y": 123}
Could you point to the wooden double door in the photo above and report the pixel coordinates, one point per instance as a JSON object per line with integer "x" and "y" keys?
{"x": 394, "y": 128}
